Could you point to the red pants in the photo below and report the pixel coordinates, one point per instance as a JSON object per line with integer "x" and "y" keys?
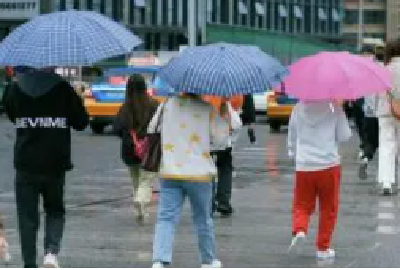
{"x": 325, "y": 185}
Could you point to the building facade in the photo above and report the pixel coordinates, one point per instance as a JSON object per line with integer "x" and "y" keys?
{"x": 162, "y": 24}
{"x": 15, "y": 12}
{"x": 381, "y": 19}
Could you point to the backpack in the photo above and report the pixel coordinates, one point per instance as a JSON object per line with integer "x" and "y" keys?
{"x": 140, "y": 145}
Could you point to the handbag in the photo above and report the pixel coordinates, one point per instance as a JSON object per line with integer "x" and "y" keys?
{"x": 140, "y": 145}
{"x": 394, "y": 106}
{"x": 152, "y": 156}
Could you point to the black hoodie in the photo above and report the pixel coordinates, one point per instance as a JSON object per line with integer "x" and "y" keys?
{"x": 43, "y": 107}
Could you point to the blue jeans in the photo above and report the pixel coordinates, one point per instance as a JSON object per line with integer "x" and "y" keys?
{"x": 172, "y": 196}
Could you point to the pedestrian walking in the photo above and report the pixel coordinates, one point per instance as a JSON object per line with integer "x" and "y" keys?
{"x": 248, "y": 116}
{"x": 44, "y": 108}
{"x": 389, "y": 127}
{"x": 186, "y": 170}
{"x": 318, "y": 170}
{"x": 132, "y": 121}
{"x": 222, "y": 154}
{"x": 369, "y": 133}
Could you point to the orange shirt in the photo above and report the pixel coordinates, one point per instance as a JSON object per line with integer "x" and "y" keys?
{"x": 215, "y": 101}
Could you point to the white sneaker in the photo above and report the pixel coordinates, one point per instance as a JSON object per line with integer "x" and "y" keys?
{"x": 326, "y": 254}
{"x": 214, "y": 264}
{"x": 158, "y": 265}
{"x": 50, "y": 261}
{"x": 298, "y": 240}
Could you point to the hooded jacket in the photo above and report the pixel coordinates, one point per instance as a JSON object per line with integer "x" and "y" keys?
{"x": 43, "y": 107}
{"x": 315, "y": 131}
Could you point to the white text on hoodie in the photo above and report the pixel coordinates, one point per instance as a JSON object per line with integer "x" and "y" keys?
{"x": 41, "y": 122}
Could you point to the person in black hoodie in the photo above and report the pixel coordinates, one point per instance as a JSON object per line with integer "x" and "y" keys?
{"x": 43, "y": 107}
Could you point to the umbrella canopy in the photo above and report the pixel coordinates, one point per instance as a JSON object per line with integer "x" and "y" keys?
{"x": 223, "y": 70}
{"x": 336, "y": 75}
{"x": 68, "y": 38}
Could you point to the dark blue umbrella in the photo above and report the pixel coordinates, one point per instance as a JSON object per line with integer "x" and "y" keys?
{"x": 223, "y": 70}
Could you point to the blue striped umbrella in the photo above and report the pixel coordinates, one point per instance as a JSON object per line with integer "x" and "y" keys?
{"x": 68, "y": 38}
{"x": 223, "y": 70}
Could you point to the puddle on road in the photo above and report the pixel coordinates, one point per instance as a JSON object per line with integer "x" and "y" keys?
{"x": 387, "y": 204}
{"x": 387, "y": 216}
{"x": 387, "y": 229}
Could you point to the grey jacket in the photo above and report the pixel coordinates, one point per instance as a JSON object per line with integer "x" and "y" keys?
{"x": 315, "y": 131}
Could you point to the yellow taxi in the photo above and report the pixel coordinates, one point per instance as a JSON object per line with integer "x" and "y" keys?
{"x": 279, "y": 109}
{"x": 105, "y": 97}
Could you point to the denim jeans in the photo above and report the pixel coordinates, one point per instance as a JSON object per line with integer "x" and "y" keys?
{"x": 172, "y": 196}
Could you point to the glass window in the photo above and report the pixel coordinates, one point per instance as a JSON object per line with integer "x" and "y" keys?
{"x": 132, "y": 12}
{"x": 225, "y": 11}
{"x": 243, "y": 19}
{"x": 235, "y": 12}
{"x": 268, "y": 18}
{"x": 242, "y": 8}
{"x": 154, "y": 12}
{"x": 276, "y": 16}
{"x": 89, "y": 4}
{"x": 351, "y": 17}
{"x": 103, "y": 6}
{"x": 148, "y": 44}
{"x": 374, "y": 17}
{"x": 165, "y": 12}
{"x": 260, "y": 9}
{"x": 185, "y": 12}
{"x": 63, "y": 5}
{"x": 214, "y": 11}
{"x": 322, "y": 14}
{"x": 171, "y": 41}
{"x": 252, "y": 13}
{"x": 140, "y": 3}
{"x": 316, "y": 20}
{"x": 142, "y": 12}
{"x": 260, "y": 22}
{"x": 157, "y": 41}
{"x": 335, "y": 15}
{"x": 282, "y": 11}
{"x": 298, "y": 13}
{"x": 117, "y": 10}
{"x": 174, "y": 12}
{"x": 76, "y": 4}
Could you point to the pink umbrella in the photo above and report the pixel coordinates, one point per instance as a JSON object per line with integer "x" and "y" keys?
{"x": 336, "y": 75}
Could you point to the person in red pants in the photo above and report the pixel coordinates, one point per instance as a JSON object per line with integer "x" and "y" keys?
{"x": 315, "y": 131}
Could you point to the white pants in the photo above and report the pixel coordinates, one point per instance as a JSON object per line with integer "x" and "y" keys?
{"x": 389, "y": 141}
{"x": 142, "y": 182}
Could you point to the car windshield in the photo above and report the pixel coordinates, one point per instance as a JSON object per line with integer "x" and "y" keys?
{"x": 120, "y": 80}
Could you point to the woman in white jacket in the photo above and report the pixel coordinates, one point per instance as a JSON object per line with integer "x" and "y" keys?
{"x": 315, "y": 131}
{"x": 389, "y": 127}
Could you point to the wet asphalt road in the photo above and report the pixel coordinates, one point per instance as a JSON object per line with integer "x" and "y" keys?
{"x": 101, "y": 230}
